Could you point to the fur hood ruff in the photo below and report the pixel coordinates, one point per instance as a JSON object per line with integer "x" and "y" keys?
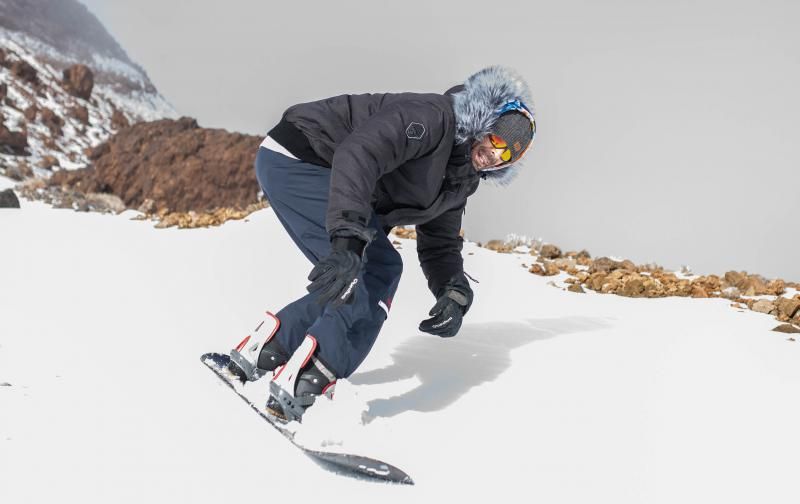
{"x": 475, "y": 104}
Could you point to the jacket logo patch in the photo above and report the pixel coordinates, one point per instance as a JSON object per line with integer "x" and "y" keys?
{"x": 415, "y": 130}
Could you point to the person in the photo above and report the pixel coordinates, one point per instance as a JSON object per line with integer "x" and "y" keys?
{"x": 340, "y": 173}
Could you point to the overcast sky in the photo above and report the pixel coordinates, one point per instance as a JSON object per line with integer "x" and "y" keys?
{"x": 666, "y": 131}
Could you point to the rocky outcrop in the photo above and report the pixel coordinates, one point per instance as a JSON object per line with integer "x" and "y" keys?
{"x": 13, "y": 142}
{"x": 65, "y": 86}
{"x": 176, "y": 164}
{"x": 24, "y": 71}
{"x": 52, "y": 121}
{"x": 8, "y": 199}
{"x": 80, "y": 113}
{"x": 625, "y": 278}
{"x": 78, "y": 81}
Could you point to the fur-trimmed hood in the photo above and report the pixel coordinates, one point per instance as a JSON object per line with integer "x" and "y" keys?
{"x": 475, "y": 104}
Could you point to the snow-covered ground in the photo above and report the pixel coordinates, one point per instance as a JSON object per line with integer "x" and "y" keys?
{"x": 544, "y": 395}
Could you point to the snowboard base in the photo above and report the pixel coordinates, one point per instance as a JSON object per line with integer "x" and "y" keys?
{"x": 341, "y": 463}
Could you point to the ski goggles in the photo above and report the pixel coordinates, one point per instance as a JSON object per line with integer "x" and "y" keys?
{"x": 499, "y": 143}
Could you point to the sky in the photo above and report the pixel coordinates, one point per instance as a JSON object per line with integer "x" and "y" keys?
{"x": 666, "y": 132}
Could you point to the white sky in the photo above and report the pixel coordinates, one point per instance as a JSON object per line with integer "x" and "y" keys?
{"x": 667, "y": 132}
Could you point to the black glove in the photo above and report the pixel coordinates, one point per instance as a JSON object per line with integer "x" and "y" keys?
{"x": 451, "y": 306}
{"x": 336, "y": 276}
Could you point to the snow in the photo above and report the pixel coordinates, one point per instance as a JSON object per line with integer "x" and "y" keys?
{"x": 546, "y": 395}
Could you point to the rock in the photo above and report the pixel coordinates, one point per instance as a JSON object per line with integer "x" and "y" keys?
{"x": 564, "y": 263}
{"x": 787, "y": 307}
{"x": 8, "y": 199}
{"x": 24, "y": 71}
{"x": 776, "y": 287}
{"x": 604, "y": 265}
{"x": 634, "y": 287}
{"x": 786, "y": 328}
{"x": 19, "y": 171}
{"x": 698, "y": 291}
{"x": 551, "y": 269}
{"x": 118, "y": 120}
{"x": 730, "y": 292}
{"x": 78, "y": 81}
{"x": 763, "y": 306}
{"x": 52, "y": 121}
{"x": 550, "y": 251}
{"x": 49, "y": 162}
{"x": 175, "y": 163}
{"x": 536, "y": 269}
{"x": 79, "y": 112}
{"x": 13, "y": 142}
{"x": 576, "y": 288}
{"x": 30, "y": 113}
{"x": 499, "y": 246}
{"x": 3, "y": 90}
{"x": 103, "y": 202}
{"x": 147, "y": 207}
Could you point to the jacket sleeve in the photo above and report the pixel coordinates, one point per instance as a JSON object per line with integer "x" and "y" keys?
{"x": 439, "y": 246}
{"x": 393, "y": 135}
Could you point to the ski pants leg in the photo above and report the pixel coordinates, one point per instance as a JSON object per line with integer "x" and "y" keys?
{"x": 298, "y": 193}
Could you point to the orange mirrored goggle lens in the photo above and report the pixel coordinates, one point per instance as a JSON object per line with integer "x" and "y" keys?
{"x": 499, "y": 143}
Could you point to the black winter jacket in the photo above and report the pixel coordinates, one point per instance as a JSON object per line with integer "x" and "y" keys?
{"x": 405, "y": 156}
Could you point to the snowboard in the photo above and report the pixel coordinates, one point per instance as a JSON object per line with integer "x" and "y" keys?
{"x": 341, "y": 463}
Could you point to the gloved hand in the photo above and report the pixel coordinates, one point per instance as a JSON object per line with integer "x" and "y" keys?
{"x": 336, "y": 276}
{"x": 450, "y": 308}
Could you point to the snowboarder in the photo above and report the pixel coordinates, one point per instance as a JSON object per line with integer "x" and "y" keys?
{"x": 340, "y": 173}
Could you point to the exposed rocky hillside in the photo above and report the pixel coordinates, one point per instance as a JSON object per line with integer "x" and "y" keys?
{"x": 65, "y": 87}
{"x": 175, "y": 164}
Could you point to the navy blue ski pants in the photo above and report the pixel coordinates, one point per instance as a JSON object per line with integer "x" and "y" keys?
{"x": 298, "y": 193}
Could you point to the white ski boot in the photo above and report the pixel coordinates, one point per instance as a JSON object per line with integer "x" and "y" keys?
{"x": 259, "y": 353}
{"x": 296, "y": 386}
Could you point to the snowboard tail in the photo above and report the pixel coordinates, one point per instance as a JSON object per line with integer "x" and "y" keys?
{"x": 341, "y": 463}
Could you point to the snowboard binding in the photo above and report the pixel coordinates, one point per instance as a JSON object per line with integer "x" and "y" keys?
{"x": 296, "y": 386}
{"x": 259, "y": 353}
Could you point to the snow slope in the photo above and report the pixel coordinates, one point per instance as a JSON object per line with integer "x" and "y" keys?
{"x": 544, "y": 395}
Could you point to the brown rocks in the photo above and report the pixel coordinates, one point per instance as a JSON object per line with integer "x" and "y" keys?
{"x": 8, "y": 199}
{"x": 52, "y": 121}
{"x": 548, "y": 268}
{"x": 3, "y": 90}
{"x": 118, "y": 120}
{"x": 30, "y": 113}
{"x": 49, "y": 162}
{"x": 550, "y": 251}
{"x": 551, "y": 268}
{"x": 78, "y": 81}
{"x": 499, "y": 246}
{"x": 786, "y": 328}
{"x": 536, "y": 269}
{"x": 763, "y": 306}
{"x": 24, "y": 71}
{"x": 80, "y": 113}
{"x": 205, "y": 219}
{"x": 402, "y": 232}
{"x": 19, "y": 171}
{"x": 13, "y": 142}
{"x": 787, "y": 308}
{"x": 175, "y": 163}
{"x": 605, "y": 264}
